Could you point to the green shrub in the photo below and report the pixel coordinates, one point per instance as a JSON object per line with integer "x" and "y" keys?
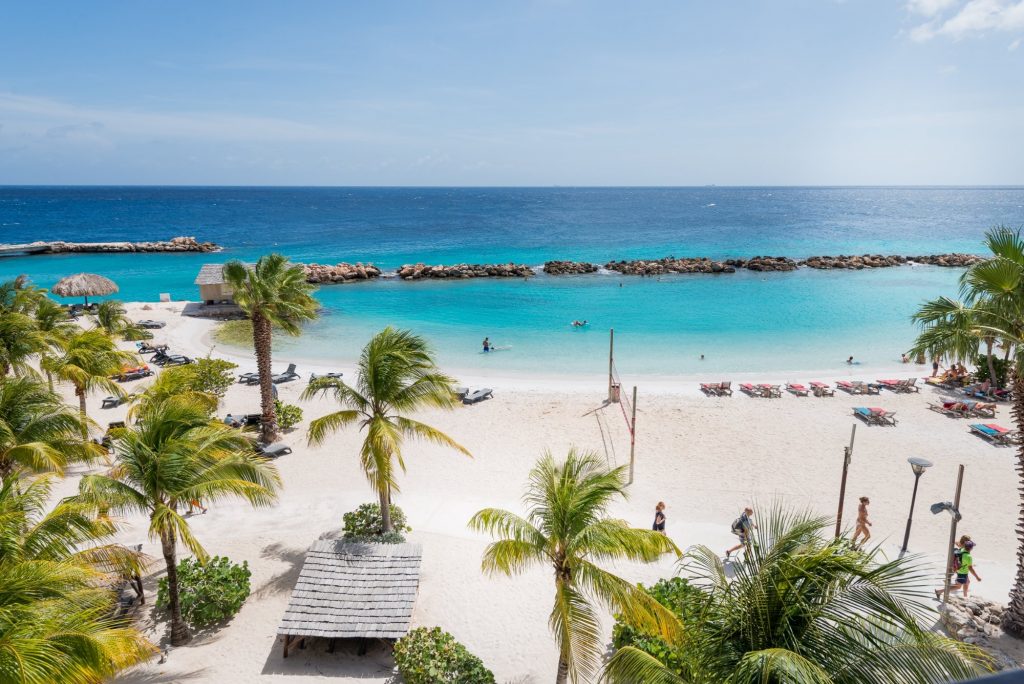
{"x": 365, "y": 524}
{"x": 1002, "y": 367}
{"x": 209, "y": 593}
{"x": 213, "y": 376}
{"x": 678, "y": 596}
{"x": 288, "y": 415}
{"x": 433, "y": 656}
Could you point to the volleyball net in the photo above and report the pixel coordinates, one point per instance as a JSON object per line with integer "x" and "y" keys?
{"x": 620, "y": 396}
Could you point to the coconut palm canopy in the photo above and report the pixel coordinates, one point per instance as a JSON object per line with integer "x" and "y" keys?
{"x": 84, "y": 285}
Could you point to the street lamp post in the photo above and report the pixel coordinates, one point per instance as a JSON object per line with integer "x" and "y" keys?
{"x": 918, "y": 465}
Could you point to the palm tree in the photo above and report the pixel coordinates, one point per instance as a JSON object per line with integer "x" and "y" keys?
{"x": 38, "y": 432}
{"x": 174, "y": 454}
{"x": 953, "y": 329}
{"x": 273, "y": 294}
{"x": 20, "y": 341}
{"x": 54, "y": 328}
{"x": 88, "y": 359}
{"x": 111, "y": 317}
{"x": 802, "y": 606}
{"x": 567, "y": 529}
{"x": 57, "y": 619}
{"x": 396, "y": 376}
{"x": 993, "y": 292}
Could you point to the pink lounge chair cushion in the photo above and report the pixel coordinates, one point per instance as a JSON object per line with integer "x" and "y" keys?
{"x": 796, "y": 387}
{"x": 998, "y": 428}
{"x": 844, "y": 383}
{"x": 818, "y": 384}
{"x": 875, "y": 409}
{"x": 747, "y": 386}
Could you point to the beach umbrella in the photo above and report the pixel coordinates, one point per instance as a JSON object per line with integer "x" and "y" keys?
{"x": 84, "y": 285}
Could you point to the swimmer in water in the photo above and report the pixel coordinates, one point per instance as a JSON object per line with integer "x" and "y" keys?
{"x": 487, "y": 344}
{"x": 849, "y": 361}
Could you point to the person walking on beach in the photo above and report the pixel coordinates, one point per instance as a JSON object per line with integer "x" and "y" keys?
{"x": 194, "y": 504}
{"x": 742, "y": 527}
{"x": 935, "y": 366}
{"x": 964, "y": 570}
{"x": 659, "y": 518}
{"x": 487, "y": 344}
{"x": 862, "y": 522}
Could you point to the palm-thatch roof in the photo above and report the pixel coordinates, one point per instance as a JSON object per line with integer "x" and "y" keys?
{"x": 84, "y": 285}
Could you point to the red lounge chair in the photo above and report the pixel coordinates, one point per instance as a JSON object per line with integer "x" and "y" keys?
{"x": 821, "y": 389}
{"x": 796, "y": 389}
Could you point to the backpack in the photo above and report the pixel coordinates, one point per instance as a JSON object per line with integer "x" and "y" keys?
{"x": 737, "y": 526}
{"x": 957, "y": 556}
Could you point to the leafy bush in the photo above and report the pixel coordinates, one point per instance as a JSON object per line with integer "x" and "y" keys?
{"x": 365, "y": 524}
{"x": 288, "y": 415}
{"x": 212, "y": 376}
{"x": 1002, "y": 367}
{"x": 677, "y": 595}
{"x": 433, "y": 656}
{"x": 209, "y": 593}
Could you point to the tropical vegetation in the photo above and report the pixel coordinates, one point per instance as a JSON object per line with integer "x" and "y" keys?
{"x": 367, "y": 524}
{"x": 112, "y": 318}
{"x": 396, "y": 376}
{"x": 57, "y": 623}
{"x": 432, "y": 656}
{"x": 801, "y": 606}
{"x": 209, "y": 592}
{"x": 990, "y": 313}
{"x": 273, "y": 294}
{"x": 566, "y": 528}
{"x": 173, "y": 455}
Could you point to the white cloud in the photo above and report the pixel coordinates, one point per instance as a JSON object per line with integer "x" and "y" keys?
{"x": 970, "y": 18}
{"x": 1014, "y": 45}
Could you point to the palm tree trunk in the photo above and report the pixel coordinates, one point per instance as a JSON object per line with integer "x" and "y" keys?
{"x": 49, "y": 380}
{"x": 261, "y": 340}
{"x": 385, "y": 510}
{"x": 179, "y": 630}
{"x": 563, "y": 671}
{"x": 1013, "y": 616}
{"x": 85, "y": 418}
{"x": 991, "y": 364}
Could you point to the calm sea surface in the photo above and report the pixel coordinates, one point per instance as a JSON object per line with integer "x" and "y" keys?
{"x": 740, "y": 322}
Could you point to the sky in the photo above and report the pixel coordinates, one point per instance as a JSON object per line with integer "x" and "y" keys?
{"x": 556, "y": 92}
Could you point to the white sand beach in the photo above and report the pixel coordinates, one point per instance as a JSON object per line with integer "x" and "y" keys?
{"x": 705, "y": 457}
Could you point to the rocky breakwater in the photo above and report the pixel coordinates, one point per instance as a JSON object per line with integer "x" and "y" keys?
{"x": 647, "y": 267}
{"x": 178, "y": 244}
{"x": 569, "y": 267}
{"x": 853, "y": 262}
{"x": 948, "y": 260}
{"x": 764, "y": 263}
{"x": 340, "y": 273}
{"x": 460, "y": 271}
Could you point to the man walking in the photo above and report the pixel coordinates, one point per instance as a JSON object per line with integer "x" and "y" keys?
{"x": 742, "y": 527}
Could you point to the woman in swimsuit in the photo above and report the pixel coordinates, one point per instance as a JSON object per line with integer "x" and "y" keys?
{"x": 659, "y": 518}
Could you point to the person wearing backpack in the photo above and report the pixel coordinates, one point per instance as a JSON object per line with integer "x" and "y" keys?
{"x": 741, "y": 527}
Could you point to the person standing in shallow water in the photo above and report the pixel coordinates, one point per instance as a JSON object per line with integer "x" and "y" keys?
{"x": 659, "y": 518}
{"x": 862, "y": 522}
{"x": 487, "y": 344}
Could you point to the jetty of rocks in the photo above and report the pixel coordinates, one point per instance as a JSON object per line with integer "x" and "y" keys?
{"x": 764, "y": 263}
{"x": 458, "y": 271}
{"x": 646, "y": 267}
{"x": 178, "y": 244}
{"x": 340, "y": 273}
{"x": 569, "y": 267}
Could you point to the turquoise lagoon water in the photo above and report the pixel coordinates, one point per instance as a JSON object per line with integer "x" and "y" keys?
{"x": 740, "y": 322}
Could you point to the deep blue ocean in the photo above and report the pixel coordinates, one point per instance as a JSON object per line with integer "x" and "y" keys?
{"x": 740, "y": 322}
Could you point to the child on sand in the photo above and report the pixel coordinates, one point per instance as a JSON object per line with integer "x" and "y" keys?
{"x": 659, "y": 518}
{"x": 964, "y": 570}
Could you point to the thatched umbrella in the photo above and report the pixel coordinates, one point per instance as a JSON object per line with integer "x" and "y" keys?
{"x": 84, "y": 285}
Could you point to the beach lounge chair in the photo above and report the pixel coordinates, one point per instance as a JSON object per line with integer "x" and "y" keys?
{"x": 287, "y": 376}
{"x": 891, "y": 384}
{"x": 850, "y": 387}
{"x": 797, "y": 390}
{"x": 273, "y": 450}
{"x": 333, "y": 376}
{"x": 910, "y": 385}
{"x": 996, "y": 434}
{"x": 249, "y": 378}
{"x": 477, "y": 395}
{"x": 725, "y": 388}
{"x": 177, "y": 360}
{"x": 711, "y": 388}
{"x": 750, "y": 390}
{"x": 113, "y": 402}
{"x": 980, "y": 409}
{"x": 821, "y": 389}
{"x": 135, "y": 373}
{"x": 883, "y": 417}
{"x": 771, "y": 391}
{"x": 953, "y": 409}
{"x": 460, "y": 392}
{"x": 150, "y": 325}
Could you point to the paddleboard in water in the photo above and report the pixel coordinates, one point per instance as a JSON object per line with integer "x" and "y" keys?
{"x": 497, "y": 349}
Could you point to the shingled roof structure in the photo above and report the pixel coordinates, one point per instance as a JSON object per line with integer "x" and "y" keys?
{"x": 352, "y": 590}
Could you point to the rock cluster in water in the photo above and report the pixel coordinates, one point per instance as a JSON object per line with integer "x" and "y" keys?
{"x": 457, "y": 271}
{"x": 645, "y": 267}
{"x": 853, "y": 262}
{"x": 976, "y": 621}
{"x": 178, "y": 244}
{"x": 569, "y": 267}
{"x": 340, "y": 273}
{"x": 764, "y": 263}
{"x": 948, "y": 260}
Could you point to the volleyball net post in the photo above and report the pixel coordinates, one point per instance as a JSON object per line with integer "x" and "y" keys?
{"x": 627, "y": 406}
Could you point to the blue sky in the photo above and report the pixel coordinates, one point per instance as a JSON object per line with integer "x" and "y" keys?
{"x": 683, "y": 92}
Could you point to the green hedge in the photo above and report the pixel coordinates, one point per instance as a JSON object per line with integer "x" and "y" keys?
{"x": 433, "y": 656}
{"x": 209, "y": 593}
{"x": 365, "y": 524}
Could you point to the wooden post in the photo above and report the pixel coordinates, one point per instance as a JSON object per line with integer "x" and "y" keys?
{"x": 287, "y": 639}
{"x": 847, "y": 457}
{"x": 611, "y": 361}
{"x": 952, "y": 533}
{"x": 632, "y": 439}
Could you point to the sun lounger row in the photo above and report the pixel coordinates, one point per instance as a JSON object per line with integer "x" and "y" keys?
{"x": 717, "y": 389}
{"x": 899, "y": 386}
{"x": 766, "y": 390}
{"x": 875, "y": 415}
{"x": 994, "y": 433}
